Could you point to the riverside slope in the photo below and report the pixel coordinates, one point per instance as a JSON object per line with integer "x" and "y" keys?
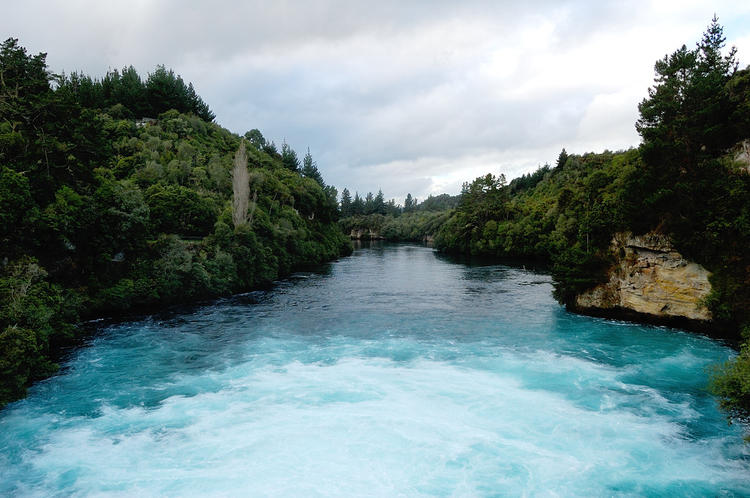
{"x": 651, "y": 281}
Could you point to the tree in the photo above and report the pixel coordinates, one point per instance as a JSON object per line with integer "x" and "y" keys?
{"x": 392, "y": 209}
{"x": 16, "y": 206}
{"x": 310, "y": 169}
{"x": 240, "y": 187}
{"x": 369, "y": 204}
{"x": 738, "y": 89}
{"x": 346, "y": 203}
{"x": 176, "y": 209}
{"x": 289, "y": 157}
{"x": 684, "y": 125}
{"x": 25, "y": 93}
{"x": 197, "y": 106}
{"x": 22, "y": 75}
{"x": 255, "y": 137}
{"x": 378, "y": 203}
{"x": 331, "y": 211}
{"x": 43, "y": 134}
{"x": 409, "y": 203}
{"x": 358, "y": 205}
{"x": 484, "y": 199}
{"x": 165, "y": 90}
{"x": 712, "y": 102}
{"x": 562, "y": 159}
{"x": 270, "y": 149}
{"x": 131, "y": 92}
{"x": 683, "y": 120}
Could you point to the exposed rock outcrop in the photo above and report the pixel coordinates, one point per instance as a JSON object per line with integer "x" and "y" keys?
{"x": 651, "y": 279}
{"x": 365, "y": 234}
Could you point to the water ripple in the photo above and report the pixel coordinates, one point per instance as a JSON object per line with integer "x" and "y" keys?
{"x": 390, "y": 373}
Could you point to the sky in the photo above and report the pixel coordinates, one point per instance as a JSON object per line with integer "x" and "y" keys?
{"x": 404, "y": 96}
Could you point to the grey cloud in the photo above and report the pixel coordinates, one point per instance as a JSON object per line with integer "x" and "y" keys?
{"x": 404, "y": 96}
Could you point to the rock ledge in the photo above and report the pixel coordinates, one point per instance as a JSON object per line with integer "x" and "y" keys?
{"x": 650, "y": 278}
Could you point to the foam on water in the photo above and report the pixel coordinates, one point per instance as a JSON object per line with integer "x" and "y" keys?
{"x": 392, "y": 373}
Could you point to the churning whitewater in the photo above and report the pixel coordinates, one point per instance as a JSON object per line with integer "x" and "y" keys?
{"x": 393, "y": 372}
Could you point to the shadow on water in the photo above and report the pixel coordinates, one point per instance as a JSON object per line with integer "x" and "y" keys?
{"x": 369, "y": 244}
{"x": 177, "y": 315}
{"x": 530, "y": 265}
{"x": 381, "y": 247}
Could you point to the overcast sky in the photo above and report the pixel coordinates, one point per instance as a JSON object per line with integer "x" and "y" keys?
{"x": 405, "y": 96}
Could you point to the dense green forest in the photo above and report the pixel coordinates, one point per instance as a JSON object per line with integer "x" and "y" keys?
{"x": 684, "y": 181}
{"x": 103, "y": 211}
{"x": 413, "y": 222}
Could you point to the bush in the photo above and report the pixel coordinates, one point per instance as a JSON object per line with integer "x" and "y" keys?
{"x": 731, "y": 383}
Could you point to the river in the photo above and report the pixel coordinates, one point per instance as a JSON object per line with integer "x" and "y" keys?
{"x": 393, "y": 372}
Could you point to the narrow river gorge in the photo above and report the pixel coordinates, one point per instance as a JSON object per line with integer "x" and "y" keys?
{"x": 391, "y": 372}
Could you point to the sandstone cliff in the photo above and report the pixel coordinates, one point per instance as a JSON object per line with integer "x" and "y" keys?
{"x": 651, "y": 279}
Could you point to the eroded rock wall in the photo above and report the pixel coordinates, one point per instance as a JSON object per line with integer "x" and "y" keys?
{"x": 651, "y": 278}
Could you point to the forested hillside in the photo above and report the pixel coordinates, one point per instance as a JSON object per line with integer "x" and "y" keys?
{"x": 121, "y": 194}
{"x": 690, "y": 180}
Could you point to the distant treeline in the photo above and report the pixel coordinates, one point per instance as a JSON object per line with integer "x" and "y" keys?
{"x": 125, "y": 95}
{"x": 376, "y": 204}
{"x": 414, "y": 221}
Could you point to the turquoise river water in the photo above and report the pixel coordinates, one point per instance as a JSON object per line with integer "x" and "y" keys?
{"x": 393, "y": 372}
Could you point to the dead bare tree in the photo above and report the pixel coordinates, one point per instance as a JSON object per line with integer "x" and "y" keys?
{"x": 240, "y": 187}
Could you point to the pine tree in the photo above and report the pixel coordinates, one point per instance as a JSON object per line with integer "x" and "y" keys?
{"x": 683, "y": 118}
{"x": 310, "y": 169}
{"x": 378, "y": 203}
{"x": 684, "y": 123}
{"x": 346, "y": 203}
{"x": 358, "y": 205}
{"x": 408, "y": 203}
{"x": 369, "y": 204}
{"x": 289, "y": 157}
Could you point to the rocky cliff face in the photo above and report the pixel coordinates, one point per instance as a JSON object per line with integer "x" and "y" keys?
{"x": 651, "y": 279}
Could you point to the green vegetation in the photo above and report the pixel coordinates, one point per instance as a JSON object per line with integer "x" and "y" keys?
{"x": 408, "y": 227}
{"x": 564, "y": 215}
{"x": 414, "y": 222}
{"x": 103, "y": 212}
{"x": 731, "y": 383}
{"x": 683, "y": 181}
{"x": 125, "y": 94}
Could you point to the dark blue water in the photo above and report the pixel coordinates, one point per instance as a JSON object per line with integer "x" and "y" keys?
{"x": 390, "y": 373}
